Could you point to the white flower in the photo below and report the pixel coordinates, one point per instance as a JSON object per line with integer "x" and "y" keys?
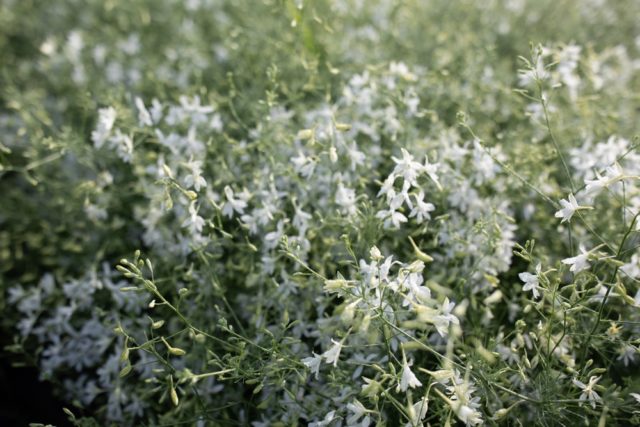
{"x": 194, "y": 179}
{"x": 333, "y": 354}
{"x": 156, "y": 110}
{"x": 303, "y": 165}
{"x": 357, "y": 410}
{"x": 313, "y": 363}
{"x": 387, "y": 187}
{"x": 375, "y": 254}
{"x": 417, "y": 412}
{"x": 144, "y": 118}
{"x": 594, "y": 186}
{"x": 569, "y": 208}
{"x": 531, "y": 281}
{"x": 587, "y": 390}
{"x": 106, "y": 119}
{"x": 421, "y": 209}
{"x": 443, "y": 320}
{"x": 326, "y": 421}
{"x": 627, "y": 354}
{"x": 194, "y": 222}
{"x": 612, "y": 174}
{"x": 469, "y": 415}
{"x": 123, "y": 145}
{"x": 578, "y": 263}
{"x": 391, "y": 218}
{"x": 636, "y": 396}
{"x": 431, "y": 169}
{"x": 408, "y": 379}
{"x": 632, "y": 268}
{"x": 346, "y": 199}
{"x": 357, "y": 157}
{"x": 232, "y": 204}
{"x": 408, "y": 168}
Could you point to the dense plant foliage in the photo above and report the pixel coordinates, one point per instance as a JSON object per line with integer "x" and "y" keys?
{"x": 325, "y": 213}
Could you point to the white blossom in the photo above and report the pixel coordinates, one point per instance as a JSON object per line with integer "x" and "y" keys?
{"x": 333, "y": 354}
{"x": 144, "y": 117}
{"x": 579, "y": 262}
{"x": 313, "y": 363}
{"x": 588, "y": 393}
{"x": 531, "y": 281}
{"x": 569, "y": 207}
{"x": 234, "y": 204}
{"x": 194, "y": 179}
{"x": 106, "y": 120}
{"x": 408, "y": 378}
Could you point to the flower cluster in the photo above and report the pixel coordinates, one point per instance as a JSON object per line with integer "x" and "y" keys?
{"x": 324, "y": 213}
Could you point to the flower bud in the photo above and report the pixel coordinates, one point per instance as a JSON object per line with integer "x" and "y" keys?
{"x": 124, "y": 356}
{"x": 174, "y": 396}
{"x": 157, "y": 325}
{"x": 125, "y": 371}
{"x": 167, "y": 171}
{"x": 305, "y": 134}
{"x": 419, "y": 254}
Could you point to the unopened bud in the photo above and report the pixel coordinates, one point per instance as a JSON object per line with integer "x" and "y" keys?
{"x": 305, "y": 134}
{"x": 157, "y": 325}
{"x": 174, "y": 396}
{"x": 335, "y": 285}
{"x": 333, "y": 154}
{"x": 173, "y": 350}
{"x": 419, "y": 254}
{"x": 177, "y": 351}
{"x": 125, "y": 371}
{"x": 125, "y": 354}
{"x": 167, "y": 171}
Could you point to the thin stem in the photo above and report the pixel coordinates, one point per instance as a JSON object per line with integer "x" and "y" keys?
{"x": 606, "y": 295}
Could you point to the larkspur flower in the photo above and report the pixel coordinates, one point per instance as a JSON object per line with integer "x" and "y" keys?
{"x": 431, "y": 169}
{"x": 332, "y": 355}
{"x": 144, "y": 117}
{"x": 357, "y": 411}
{"x": 346, "y": 199}
{"x": 326, "y": 421}
{"x": 421, "y": 210}
{"x": 234, "y": 204}
{"x": 587, "y": 390}
{"x": 313, "y": 363}
{"x": 408, "y": 378}
{"x": 443, "y": 320}
{"x": 407, "y": 167}
{"x": 194, "y": 222}
{"x": 612, "y": 174}
{"x": 391, "y": 218}
{"x": 569, "y": 207}
{"x": 106, "y": 120}
{"x": 387, "y": 187}
{"x": 194, "y": 178}
{"x": 417, "y": 412}
{"x": 627, "y": 354}
{"x": 531, "y": 281}
{"x": 579, "y": 262}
